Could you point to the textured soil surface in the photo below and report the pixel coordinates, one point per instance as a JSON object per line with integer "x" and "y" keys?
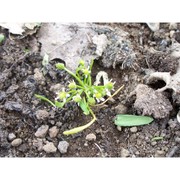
{"x": 22, "y": 114}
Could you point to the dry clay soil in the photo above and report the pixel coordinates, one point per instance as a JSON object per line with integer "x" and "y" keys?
{"x": 19, "y": 66}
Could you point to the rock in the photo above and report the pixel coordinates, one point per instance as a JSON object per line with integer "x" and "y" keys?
{"x": 16, "y": 142}
{"x": 23, "y": 148}
{"x": 59, "y": 124}
{"x": 2, "y": 95}
{"x": 63, "y": 147}
{"x": 13, "y": 106}
{"x": 49, "y": 148}
{"x": 42, "y": 131}
{"x": 91, "y": 137}
{"x": 42, "y": 114}
{"x": 124, "y": 152}
{"x": 53, "y": 131}
{"x": 120, "y": 109}
{"x": 56, "y": 88}
{"x": 11, "y": 136}
{"x": 173, "y": 26}
{"x": 119, "y": 128}
{"x": 153, "y": 26}
{"x": 133, "y": 129}
{"x": 38, "y": 76}
{"x": 12, "y": 89}
{"x": 101, "y": 42}
{"x": 153, "y": 143}
{"x": 159, "y": 153}
{"x": 38, "y": 143}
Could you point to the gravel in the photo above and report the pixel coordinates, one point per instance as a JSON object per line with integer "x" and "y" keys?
{"x": 42, "y": 114}
{"x": 91, "y": 137}
{"x": 53, "y": 131}
{"x": 16, "y": 142}
{"x": 133, "y": 129}
{"x": 124, "y": 152}
{"x": 42, "y": 131}
{"x": 12, "y": 105}
{"x": 63, "y": 147}
{"x": 11, "y": 136}
{"x": 49, "y": 148}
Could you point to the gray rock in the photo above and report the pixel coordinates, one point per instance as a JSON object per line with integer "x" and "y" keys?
{"x": 11, "y": 136}
{"x": 38, "y": 143}
{"x": 133, "y": 129}
{"x": 124, "y": 152}
{"x": 12, "y": 89}
{"x": 16, "y": 142}
{"x": 2, "y": 95}
{"x": 53, "y": 131}
{"x": 160, "y": 153}
{"x": 91, "y": 137}
{"x": 42, "y": 114}
{"x": 120, "y": 109}
{"x": 13, "y": 106}
{"x": 42, "y": 131}
{"x": 119, "y": 128}
{"x": 39, "y": 77}
{"x": 63, "y": 147}
{"x": 49, "y": 148}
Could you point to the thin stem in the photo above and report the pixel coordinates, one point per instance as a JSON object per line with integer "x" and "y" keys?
{"x": 109, "y": 97}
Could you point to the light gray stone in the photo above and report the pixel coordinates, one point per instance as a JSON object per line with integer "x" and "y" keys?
{"x": 16, "y": 142}
{"x": 42, "y": 131}
{"x": 53, "y": 131}
{"x": 49, "y": 148}
{"x": 42, "y": 114}
{"x": 11, "y": 136}
{"x": 124, "y": 152}
{"x": 133, "y": 129}
{"x": 63, "y": 147}
{"x": 91, "y": 137}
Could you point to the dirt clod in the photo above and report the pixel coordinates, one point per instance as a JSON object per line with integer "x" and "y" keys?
{"x": 53, "y": 131}
{"x": 49, "y": 148}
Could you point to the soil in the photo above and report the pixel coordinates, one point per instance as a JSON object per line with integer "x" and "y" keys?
{"x": 21, "y": 77}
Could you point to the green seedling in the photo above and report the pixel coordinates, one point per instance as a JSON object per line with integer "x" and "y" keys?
{"x": 82, "y": 91}
{"x": 2, "y": 37}
{"x": 158, "y": 138}
{"x": 131, "y": 120}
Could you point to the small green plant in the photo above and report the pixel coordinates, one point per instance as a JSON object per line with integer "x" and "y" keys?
{"x": 82, "y": 91}
{"x": 2, "y": 37}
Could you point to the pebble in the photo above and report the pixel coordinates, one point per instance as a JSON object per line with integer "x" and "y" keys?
{"x": 119, "y": 128}
{"x": 124, "y": 152}
{"x": 42, "y": 114}
{"x": 49, "y": 148}
{"x": 38, "y": 143}
{"x": 59, "y": 124}
{"x": 11, "y": 136}
{"x": 53, "y": 131}
{"x": 38, "y": 76}
{"x": 42, "y": 131}
{"x": 63, "y": 146}
{"x": 133, "y": 129}
{"x": 91, "y": 137}
{"x": 16, "y": 142}
{"x": 120, "y": 109}
{"x": 153, "y": 143}
{"x": 12, "y": 105}
{"x": 12, "y": 89}
{"x": 159, "y": 153}
{"x": 2, "y": 95}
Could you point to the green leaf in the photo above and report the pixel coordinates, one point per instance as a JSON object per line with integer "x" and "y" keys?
{"x": 59, "y": 104}
{"x": 45, "y": 99}
{"x": 2, "y": 37}
{"x": 157, "y": 138}
{"x": 83, "y": 105}
{"x": 131, "y": 120}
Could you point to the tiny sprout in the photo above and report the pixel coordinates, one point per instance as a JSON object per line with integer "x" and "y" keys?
{"x": 77, "y": 98}
{"x": 86, "y": 72}
{"x": 91, "y": 101}
{"x": 60, "y": 66}
{"x": 109, "y": 85}
{"x": 2, "y": 37}
{"x": 81, "y": 62}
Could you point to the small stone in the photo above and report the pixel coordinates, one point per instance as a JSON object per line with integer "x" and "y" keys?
{"x": 177, "y": 139}
{"x": 2, "y": 95}
{"x": 91, "y": 137}
{"x": 38, "y": 76}
{"x": 12, "y": 89}
{"x": 124, "y": 152}
{"x": 63, "y": 146}
{"x": 120, "y": 109}
{"x": 171, "y": 33}
{"x": 59, "y": 124}
{"x": 49, "y": 148}
{"x": 153, "y": 143}
{"x": 53, "y": 131}
{"x": 16, "y": 142}
{"x": 38, "y": 143}
{"x": 159, "y": 153}
{"x": 133, "y": 129}
{"x": 11, "y": 136}
{"x": 12, "y": 105}
{"x": 42, "y": 114}
{"x": 42, "y": 131}
{"x": 119, "y": 128}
